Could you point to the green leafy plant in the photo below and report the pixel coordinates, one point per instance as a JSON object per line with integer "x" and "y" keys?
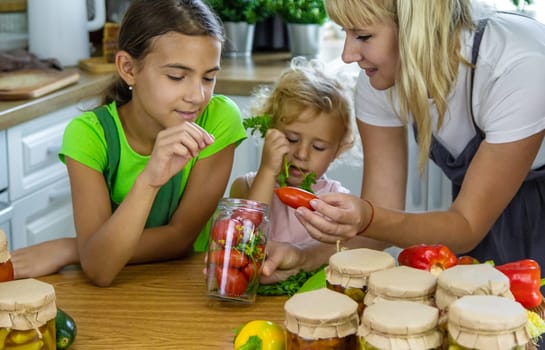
{"x": 250, "y": 11}
{"x": 289, "y": 286}
{"x": 517, "y": 3}
{"x": 302, "y": 11}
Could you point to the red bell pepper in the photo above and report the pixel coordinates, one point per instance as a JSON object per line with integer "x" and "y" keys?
{"x": 434, "y": 258}
{"x": 525, "y": 279}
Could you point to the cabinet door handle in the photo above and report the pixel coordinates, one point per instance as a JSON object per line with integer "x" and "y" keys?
{"x": 57, "y": 194}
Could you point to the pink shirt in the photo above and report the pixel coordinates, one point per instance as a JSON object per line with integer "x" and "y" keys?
{"x": 284, "y": 226}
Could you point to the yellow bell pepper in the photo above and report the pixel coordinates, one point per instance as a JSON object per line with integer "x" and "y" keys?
{"x": 260, "y": 335}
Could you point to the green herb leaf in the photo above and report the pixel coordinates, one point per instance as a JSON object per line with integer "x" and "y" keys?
{"x": 260, "y": 123}
{"x": 288, "y": 287}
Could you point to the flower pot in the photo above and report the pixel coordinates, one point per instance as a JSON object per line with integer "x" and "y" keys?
{"x": 304, "y": 39}
{"x": 239, "y": 39}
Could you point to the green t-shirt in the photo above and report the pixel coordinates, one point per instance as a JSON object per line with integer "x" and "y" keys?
{"x": 84, "y": 142}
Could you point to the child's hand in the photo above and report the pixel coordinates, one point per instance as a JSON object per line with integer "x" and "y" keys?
{"x": 275, "y": 147}
{"x": 173, "y": 148}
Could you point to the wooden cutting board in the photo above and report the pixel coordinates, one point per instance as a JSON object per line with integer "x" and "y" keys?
{"x": 30, "y": 83}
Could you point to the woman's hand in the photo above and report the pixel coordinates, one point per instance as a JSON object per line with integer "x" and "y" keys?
{"x": 336, "y": 216}
{"x": 173, "y": 148}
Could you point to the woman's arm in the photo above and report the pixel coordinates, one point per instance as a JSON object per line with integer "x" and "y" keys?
{"x": 494, "y": 176}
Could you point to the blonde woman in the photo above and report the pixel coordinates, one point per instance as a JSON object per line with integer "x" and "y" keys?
{"x": 473, "y": 91}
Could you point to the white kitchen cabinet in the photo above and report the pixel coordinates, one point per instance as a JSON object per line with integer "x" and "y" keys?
{"x": 38, "y": 191}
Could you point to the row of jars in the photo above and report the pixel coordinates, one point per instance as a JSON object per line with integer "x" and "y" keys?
{"x": 370, "y": 304}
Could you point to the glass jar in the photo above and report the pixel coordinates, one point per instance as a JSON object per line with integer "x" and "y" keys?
{"x": 236, "y": 249}
{"x": 321, "y": 319}
{"x": 348, "y": 270}
{"x": 27, "y": 315}
{"x": 401, "y": 283}
{"x": 398, "y": 324}
{"x": 6, "y": 266}
{"x": 487, "y": 322}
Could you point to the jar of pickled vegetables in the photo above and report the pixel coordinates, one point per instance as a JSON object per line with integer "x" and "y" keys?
{"x": 27, "y": 315}
{"x": 399, "y": 324}
{"x": 487, "y": 322}
{"x": 236, "y": 249}
{"x": 401, "y": 283}
{"x": 321, "y": 319}
{"x": 348, "y": 270}
{"x": 6, "y": 267}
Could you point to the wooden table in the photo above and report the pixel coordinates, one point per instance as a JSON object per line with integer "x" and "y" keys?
{"x": 155, "y": 306}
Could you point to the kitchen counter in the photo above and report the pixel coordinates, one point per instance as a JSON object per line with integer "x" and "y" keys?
{"x": 238, "y": 76}
{"x": 155, "y": 306}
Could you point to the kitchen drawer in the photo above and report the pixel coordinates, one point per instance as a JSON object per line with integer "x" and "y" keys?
{"x": 3, "y": 161}
{"x": 46, "y": 214}
{"x": 33, "y": 152}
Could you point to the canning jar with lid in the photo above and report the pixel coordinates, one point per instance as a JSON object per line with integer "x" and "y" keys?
{"x": 400, "y": 325}
{"x": 401, "y": 283}
{"x": 321, "y": 319}
{"x": 27, "y": 315}
{"x": 348, "y": 271}
{"x": 487, "y": 322}
{"x": 6, "y": 266}
{"x": 236, "y": 249}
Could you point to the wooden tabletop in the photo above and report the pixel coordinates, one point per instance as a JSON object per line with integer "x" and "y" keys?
{"x": 155, "y": 306}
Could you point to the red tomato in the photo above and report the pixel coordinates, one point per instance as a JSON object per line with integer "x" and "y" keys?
{"x": 466, "y": 260}
{"x": 231, "y": 282}
{"x": 294, "y": 197}
{"x": 233, "y": 257}
{"x": 227, "y": 232}
{"x": 253, "y": 215}
{"x": 251, "y": 270}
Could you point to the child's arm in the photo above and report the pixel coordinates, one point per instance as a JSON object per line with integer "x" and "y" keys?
{"x": 276, "y": 145}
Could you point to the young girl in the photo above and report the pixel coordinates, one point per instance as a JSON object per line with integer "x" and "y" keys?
{"x": 311, "y": 125}
{"x": 148, "y": 168}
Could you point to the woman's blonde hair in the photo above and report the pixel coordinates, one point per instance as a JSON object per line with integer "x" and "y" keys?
{"x": 429, "y": 51}
{"x": 305, "y": 85}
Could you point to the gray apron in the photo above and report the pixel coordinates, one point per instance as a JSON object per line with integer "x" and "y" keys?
{"x": 519, "y": 232}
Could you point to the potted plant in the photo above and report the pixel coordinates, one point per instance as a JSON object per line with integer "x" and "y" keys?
{"x": 304, "y": 19}
{"x": 239, "y": 18}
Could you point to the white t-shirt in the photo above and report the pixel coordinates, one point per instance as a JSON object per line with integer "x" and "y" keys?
{"x": 509, "y": 88}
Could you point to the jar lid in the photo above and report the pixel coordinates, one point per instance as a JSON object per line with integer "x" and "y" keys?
{"x": 26, "y": 304}
{"x": 401, "y": 282}
{"x": 351, "y": 267}
{"x": 476, "y": 279}
{"x": 4, "y": 251}
{"x": 398, "y": 324}
{"x": 321, "y": 314}
{"x": 487, "y": 322}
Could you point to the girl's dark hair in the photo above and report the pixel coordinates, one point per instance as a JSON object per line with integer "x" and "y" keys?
{"x": 147, "y": 19}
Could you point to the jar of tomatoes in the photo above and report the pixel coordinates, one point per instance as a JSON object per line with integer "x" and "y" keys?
{"x": 236, "y": 249}
{"x": 27, "y": 315}
{"x": 6, "y": 267}
{"x": 348, "y": 270}
{"x": 321, "y": 319}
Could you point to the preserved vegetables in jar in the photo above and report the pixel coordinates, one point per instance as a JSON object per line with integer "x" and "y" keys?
{"x": 6, "y": 266}
{"x": 321, "y": 319}
{"x": 236, "y": 249}
{"x": 27, "y": 315}
{"x": 348, "y": 270}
